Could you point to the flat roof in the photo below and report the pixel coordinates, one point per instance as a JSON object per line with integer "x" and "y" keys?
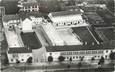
{"x": 84, "y": 34}
{"x": 31, "y": 40}
{"x": 64, "y": 13}
{"x": 77, "y": 48}
{"x": 68, "y": 37}
{"x": 30, "y": 4}
{"x": 19, "y": 50}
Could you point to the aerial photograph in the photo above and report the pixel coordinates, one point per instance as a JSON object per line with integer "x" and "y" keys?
{"x": 57, "y": 36}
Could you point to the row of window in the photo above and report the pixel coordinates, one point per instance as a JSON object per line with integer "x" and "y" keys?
{"x": 79, "y": 57}
{"x": 82, "y": 52}
{"x": 70, "y": 23}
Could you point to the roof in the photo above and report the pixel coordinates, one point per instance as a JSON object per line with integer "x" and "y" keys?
{"x": 84, "y": 34}
{"x": 106, "y": 33}
{"x": 7, "y": 18}
{"x": 71, "y": 7}
{"x": 24, "y": 15}
{"x": 19, "y": 50}
{"x": 64, "y": 13}
{"x": 30, "y": 4}
{"x": 77, "y": 48}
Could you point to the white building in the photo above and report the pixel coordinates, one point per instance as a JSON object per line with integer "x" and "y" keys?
{"x": 11, "y": 19}
{"x": 67, "y": 19}
{"x": 13, "y": 38}
{"x": 20, "y": 54}
{"x": 77, "y": 52}
{"x": 29, "y": 7}
{"x": 27, "y": 25}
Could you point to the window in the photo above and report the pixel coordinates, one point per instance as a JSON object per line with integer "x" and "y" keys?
{"x": 106, "y": 51}
{"x": 15, "y": 55}
{"x": 73, "y": 57}
{"x": 79, "y": 56}
{"x": 106, "y": 56}
{"x": 11, "y": 59}
{"x": 67, "y": 57}
{"x": 100, "y": 52}
{"x": 76, "y": 57}
{"x": 50, "y": 53}
{"x": 22, "y": 59}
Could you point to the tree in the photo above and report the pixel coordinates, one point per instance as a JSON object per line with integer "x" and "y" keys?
{"x": 79, "y": 64}
{"x": 29, "y": 60}
{"x": 50, "y": 59}
{"x": 61, "y": 58}
{"x": 70, "y": 59}
{"x": 112, "y": 56}
{"x": 92, "y": 59}
{"x": 101, "y": 61}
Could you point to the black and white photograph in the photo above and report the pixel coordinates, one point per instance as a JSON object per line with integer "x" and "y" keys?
{"x": 57, "y": 36}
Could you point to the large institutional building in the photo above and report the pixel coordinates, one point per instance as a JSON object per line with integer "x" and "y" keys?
{"x": 67, "y": 34}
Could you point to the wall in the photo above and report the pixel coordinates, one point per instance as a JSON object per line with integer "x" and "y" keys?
{"x": 76, "y": 55}
{"x": 22, "y": 57}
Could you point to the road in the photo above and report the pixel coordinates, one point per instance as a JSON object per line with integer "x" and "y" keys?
{"x": 63, "y": 67}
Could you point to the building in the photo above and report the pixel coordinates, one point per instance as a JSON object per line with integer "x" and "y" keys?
{"x": 13, "y": 38}
{"x": 2, "y": 11}
{"x": 67, "y": 19}
{"x": 29, "y": 7}
{"x": 52, "y": 35}
{"x": 11, "y": 19}
{"x": 18, "y": 54}
{"x": 76, "y": 52}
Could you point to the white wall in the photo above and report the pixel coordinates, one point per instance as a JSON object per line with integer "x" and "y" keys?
{"x": 21, "y": 56}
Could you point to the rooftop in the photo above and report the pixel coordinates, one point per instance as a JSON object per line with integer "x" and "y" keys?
{"x": 7, "y": 18}
{"x": 19, "y": 50}
{"x": 64, "y": 13}
{"x": 30, "y": 4}
{"x": 84, "y": 34}
{"x": 68, "y": 37}
{"x": 77, "y": 48}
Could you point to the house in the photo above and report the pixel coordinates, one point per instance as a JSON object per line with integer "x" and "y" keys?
{"x": 18, "y": 54}
{"x": 76, "y": 52}
{"x": 11, "y": 19}
{"x": 29, "y": 7}
{"x": 64, "y": 19}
